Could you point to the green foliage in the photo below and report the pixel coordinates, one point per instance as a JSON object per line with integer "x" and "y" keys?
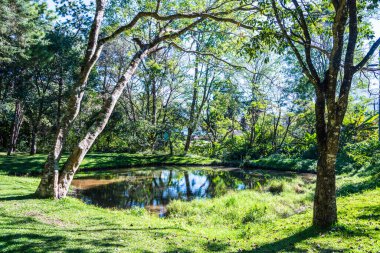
{"x": 239, "y": 208}
{"x": 364, "y": 152}
{"x": 276, "y": 187}
{"x": 21, "y": 27}
{"x": 281, "y": 162}
{"x": 254, "y": 214}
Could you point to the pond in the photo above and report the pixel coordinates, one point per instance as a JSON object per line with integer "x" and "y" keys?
{"x": 154, "y": 187}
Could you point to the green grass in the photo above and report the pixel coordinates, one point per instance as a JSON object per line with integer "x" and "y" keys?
{"x": 23, "y": 164}
{"x": 246, "y": 221}
{"x": 275, "y": 217}
{"x": 284, "y": 164}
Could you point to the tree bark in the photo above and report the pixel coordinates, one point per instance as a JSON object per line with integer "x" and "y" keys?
{"x": 188, "y": 139}
{"x": 46, "y": 186}
{"x": 325, "y": 209}
{"x": 33, "y": 142}
{"x": 17, "y": 122}
{"x": 76, "y": 157}
{"x": 59, "y": 98}
{"x": 194, "y": 100}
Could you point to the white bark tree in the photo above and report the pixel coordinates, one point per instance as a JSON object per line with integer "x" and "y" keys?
{"x": 55, "y": 181}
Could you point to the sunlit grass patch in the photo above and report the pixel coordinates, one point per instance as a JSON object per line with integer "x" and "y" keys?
{"x": 250, "y": 221}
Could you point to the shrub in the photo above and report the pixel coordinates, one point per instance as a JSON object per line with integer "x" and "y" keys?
{"x": 276, "y": 187}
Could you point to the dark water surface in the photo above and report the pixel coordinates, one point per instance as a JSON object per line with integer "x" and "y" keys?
{"x": 154, "y": 187}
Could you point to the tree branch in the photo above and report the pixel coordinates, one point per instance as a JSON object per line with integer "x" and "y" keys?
{"x": 307, "y": 44}
{"x": 155, "y": 15}
{"x": 368, "y": 56}
{"x": 305, "y": 70}
{"x": 207, "y": 54}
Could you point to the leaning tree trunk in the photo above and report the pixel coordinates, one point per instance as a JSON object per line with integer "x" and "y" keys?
{"x": 49, "y": 175}
{"x": 63, "y": 182}
{"x": 17, "y": 122}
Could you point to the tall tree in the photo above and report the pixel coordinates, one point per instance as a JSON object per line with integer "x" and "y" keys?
{"x": 301, "y": 24}
{"x": 55, "y": 182}
{"x": 20, "y": 27}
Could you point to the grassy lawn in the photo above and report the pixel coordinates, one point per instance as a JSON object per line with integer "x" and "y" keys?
{"x": 285, "y": 164}
{"x": 23, "y": 164}
{"x": 246, "y": 221}
{"x": 276, "y": 217}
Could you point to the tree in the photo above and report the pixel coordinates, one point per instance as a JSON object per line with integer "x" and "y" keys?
{"x": 23, "y": 25}
{"x": 55, "y": 182}
{"x": 20, "y": 27}
{"x": 302, "y": 25}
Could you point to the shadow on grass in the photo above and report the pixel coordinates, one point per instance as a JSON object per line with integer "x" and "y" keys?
{"x": 352, "y": 188}
{"x": 25, "y": 234}
{"x": 288, "y": 243}
{"x": 373, "y": 213}
{"x": 182, "y": 250}
{"x": 18, "y": 197}
{"x": 30, "y": 242}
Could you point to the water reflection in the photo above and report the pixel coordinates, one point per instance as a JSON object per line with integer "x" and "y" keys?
{"x": 154, "y": 188}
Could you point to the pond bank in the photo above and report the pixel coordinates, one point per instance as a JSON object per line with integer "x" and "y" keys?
{"x": 23, "y": 164}
{"x": 153, "y": 188}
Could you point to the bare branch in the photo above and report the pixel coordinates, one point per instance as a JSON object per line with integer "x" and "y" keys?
{"x": 368, "y": 56}
{"x": 213, "y": 16}
{"x": 307, "y": 44}
{"x": 305, "y": 70}
{"x": 207, "y": 54}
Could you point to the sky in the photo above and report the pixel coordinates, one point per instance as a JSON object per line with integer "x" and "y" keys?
{"x": 376, "y": 27}
{"x": 375, "y": 23}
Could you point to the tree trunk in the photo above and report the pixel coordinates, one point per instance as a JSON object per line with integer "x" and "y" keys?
{"x": 325, "y": 209}
{"x": 76, "y": 157}
{"x": 192, "y": 124}
{"x": 171, "y": 147}
{"x": 254, "y": 117}
{"x": 50, "y": 171}
{"x": 59, "y": 98}
{"x": 154, "y": 103}
{"x": 188, "y": 139}
{"x": 33, "y": 142}
{"x": 17, "y": 122}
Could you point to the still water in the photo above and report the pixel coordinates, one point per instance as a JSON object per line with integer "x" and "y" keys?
{"x": 154, "y": 187}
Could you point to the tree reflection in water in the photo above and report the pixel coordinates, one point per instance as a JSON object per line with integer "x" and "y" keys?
{"x": 154, "y": 188}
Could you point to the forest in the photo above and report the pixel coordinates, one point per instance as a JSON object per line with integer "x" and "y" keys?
{"x": 189, "y": 126}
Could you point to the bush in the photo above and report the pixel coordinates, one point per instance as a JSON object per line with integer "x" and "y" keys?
{"x": 276, "y": 187}
{"x": 362, "y": 153}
